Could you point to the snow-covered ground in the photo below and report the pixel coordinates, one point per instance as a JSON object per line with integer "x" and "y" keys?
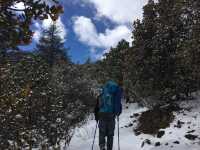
{"x": 173, "y": 139}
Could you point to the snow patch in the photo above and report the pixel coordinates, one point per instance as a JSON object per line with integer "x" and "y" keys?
{"x": 173, "y": 139}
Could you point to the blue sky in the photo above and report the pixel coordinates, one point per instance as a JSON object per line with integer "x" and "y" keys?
{"x": 91, "y": 27}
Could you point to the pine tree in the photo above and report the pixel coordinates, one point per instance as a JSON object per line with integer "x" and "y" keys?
{"x": 43, "y": 96}
{"x": 15, "y": 22}
{"x": 113, "y": 63}
{"x": 157, "y": 48}
{"x": 189, "y": 53}
{"x": 51, "y": 46}
{"x": 141, "y": 56}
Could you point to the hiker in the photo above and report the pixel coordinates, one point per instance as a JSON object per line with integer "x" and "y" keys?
{"x": 108, "y": 106}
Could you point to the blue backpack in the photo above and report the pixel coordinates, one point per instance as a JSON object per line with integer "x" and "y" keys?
{"x": 110, "y": 100}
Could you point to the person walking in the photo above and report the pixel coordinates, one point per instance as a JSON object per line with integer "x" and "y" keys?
{"x": 107, "y": 108}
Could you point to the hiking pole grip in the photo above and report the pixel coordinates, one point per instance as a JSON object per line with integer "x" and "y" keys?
{"x": 94, "y": 135}
{"x": 118, "y": 132}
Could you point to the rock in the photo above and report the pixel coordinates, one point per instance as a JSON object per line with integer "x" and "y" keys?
{"x": 151, "y": 121}
{"x": 160, "y": 134}
{"x": 176, "y": 142}
{"x": 137, "y": 132}
{"x": 191, "y": 131}
{"x": 166, "y": 144}
{"x": 179, "y": 124}
{"x": 136, "y": 115}
{"x": 130, "y": 125}
{"x": 134, "y": 121}
{"x": 147, "y": 141}
{"x": 157, "y": 144}
{"x": 191, "y": 137}
{"x": 195, "y": 117}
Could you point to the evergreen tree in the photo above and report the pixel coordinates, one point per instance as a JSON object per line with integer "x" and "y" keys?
{"x": 113, "y": 63}
{"x": 159, "y": 41}
{"x": 141, "y": 57}
{"x": 15, "y": 23}
{"x": 190, "y": 48}
{"x": 40, "y": 104}
{"x": 166, "y": 41}
{"x": 43, "y": 97}
{"x": 51, "y": 46}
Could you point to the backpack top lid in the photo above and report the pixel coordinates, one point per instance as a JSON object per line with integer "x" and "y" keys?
{"x": 107, "y": 97}
{"x": 111, "y": 87}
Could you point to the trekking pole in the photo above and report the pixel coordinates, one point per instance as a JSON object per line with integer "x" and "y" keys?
{"x": 94, "y": 135}
{"x": 118, "y": 132}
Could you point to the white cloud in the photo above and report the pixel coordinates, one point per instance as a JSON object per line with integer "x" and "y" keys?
{"x": 87, "y": 33}
{"x": 119, "y": 11}
{"x": 46, "y": 24}
{"x": 112, "y": 37}
{"x": 63, "y": 32}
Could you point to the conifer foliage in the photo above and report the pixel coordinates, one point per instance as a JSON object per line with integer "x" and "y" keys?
{"x": 43, "y": 96}
{"x": 15, "y": 21}
{"x": 162, "y": 64}
{"x": 159, "y": 47}
{"x": 51, "y": 46}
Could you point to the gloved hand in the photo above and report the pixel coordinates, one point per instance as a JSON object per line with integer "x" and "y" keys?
{"x": 118, "y": 114}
